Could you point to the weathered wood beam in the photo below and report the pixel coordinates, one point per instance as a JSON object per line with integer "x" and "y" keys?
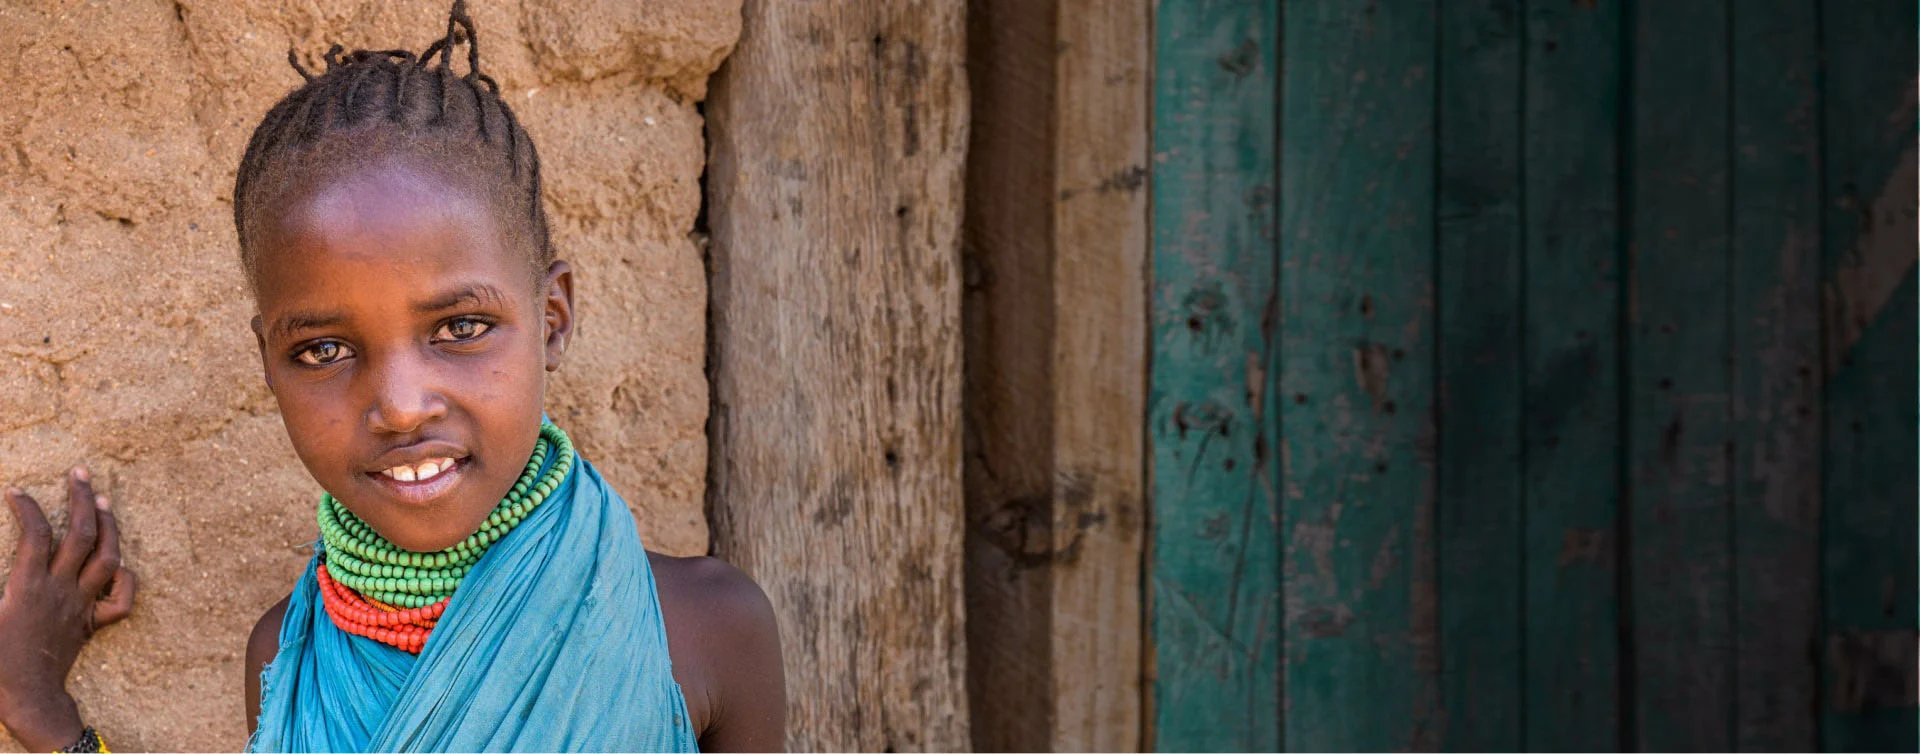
{"x": 1055, "y": 336}
{"x": 837, "y": 134}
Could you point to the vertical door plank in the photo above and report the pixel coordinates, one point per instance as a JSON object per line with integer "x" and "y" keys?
{"x": 1774, "y": 284}
{"x": 1869, "y": 506}
{"x": 1573, "y": 434}
{"x": 1214, "y": 592}
{"x": 1357, "y": 360}
{"x": 1678, "y": 380}
{"x": 1478, "y": 267}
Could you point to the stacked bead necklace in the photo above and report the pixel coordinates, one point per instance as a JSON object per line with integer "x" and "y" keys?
{"x": 372, "y": 588}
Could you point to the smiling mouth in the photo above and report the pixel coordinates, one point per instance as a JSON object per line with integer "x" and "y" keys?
{"x": 421, "y": 482}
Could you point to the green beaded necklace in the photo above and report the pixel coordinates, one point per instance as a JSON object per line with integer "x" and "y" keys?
{"x": 362, "y": 560}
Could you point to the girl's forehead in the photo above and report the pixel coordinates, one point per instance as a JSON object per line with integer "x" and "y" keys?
{"x": 385, "y": 211}
{"x": 382, "y": 235}
{"x": 386, "y": 196}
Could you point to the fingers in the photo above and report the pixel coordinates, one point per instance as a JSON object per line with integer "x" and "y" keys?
{"x": 105, "y": 561}
{"x": 117, "y": 603}
{"x": 36, "y": 536}
{"x": 82, "y": 525}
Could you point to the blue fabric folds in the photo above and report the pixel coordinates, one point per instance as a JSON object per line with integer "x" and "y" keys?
{"x": 553, "y": 642}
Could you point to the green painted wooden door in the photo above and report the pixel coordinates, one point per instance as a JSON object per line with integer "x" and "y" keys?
{"x": 1534, "y": 374}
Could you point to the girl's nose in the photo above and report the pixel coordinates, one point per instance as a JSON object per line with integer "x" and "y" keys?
{"x": 405, "y": 397}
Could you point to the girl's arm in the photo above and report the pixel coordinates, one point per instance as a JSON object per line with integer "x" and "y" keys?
{"x": 750, "y": 710}
{"x": 262, "y": 645}
{"x": 726, "y": 653}
{"x": 55, "y": 598}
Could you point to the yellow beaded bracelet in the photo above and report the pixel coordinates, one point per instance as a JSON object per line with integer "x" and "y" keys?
{"x": 90, "y": 742}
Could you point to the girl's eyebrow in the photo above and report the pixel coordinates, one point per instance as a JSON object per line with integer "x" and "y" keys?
{"x": 298, "y": 321}
{"x": 478, "y": 293}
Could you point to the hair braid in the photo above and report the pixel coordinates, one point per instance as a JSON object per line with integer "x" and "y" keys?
{"x": 364, "y": 91}
{"x": 396, "y": 109}
{"x": 479, "y": 109}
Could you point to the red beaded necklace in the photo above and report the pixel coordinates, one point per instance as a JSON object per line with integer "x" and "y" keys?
{"x": 360, "y": 616}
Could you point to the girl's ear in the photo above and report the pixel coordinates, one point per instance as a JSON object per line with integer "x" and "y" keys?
{"x": 558, "y": 310}
{"x": 260, "y": 341}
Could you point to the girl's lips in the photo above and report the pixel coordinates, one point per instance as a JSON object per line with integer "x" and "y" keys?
{"x": 421, "y": 492}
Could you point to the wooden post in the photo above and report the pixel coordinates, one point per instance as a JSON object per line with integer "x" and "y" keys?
{"x": 1055, "y": 337}
{"x": 837, "y": 132}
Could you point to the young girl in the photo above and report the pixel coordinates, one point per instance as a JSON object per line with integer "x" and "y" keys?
{"x": 477, "y": 585}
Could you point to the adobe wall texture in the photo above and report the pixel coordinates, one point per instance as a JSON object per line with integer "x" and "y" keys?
{"x": 123, "y": 315}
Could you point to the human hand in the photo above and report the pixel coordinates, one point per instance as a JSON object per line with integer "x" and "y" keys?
{"x": 55, "y": 598}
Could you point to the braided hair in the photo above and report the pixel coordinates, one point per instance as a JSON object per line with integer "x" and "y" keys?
{"x": 370, "y": 102}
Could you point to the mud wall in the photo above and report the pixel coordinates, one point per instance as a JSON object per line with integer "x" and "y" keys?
{"x": 123, "y": 335}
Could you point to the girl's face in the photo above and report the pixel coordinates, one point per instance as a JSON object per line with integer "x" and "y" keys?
{"x": 407, "y": 345}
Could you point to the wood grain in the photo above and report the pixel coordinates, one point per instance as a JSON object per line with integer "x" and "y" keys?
{"x": 1573, "y": 359}
{"x": 1869, "y": 331}
{"x": 1055, "y": 260}
{"x": 1010, "y": 324}
{"x": 1099, "y": 362}
{"x": 837, "y": 133}
{"x": 1774, "y": 282}
{"x": 1214, "y": 592}
{"x": 1677, "y": 388}
{"x": 1357, "y": 365}
{"x": 1480, "y": 391}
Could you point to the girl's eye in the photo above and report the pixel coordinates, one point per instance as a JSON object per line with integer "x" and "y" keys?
{"x": 322, "y": 353}
{"x": 464, "y": 328}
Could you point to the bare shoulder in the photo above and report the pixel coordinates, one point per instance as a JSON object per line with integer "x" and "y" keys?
{"x": 262, "y": 644}
{"x": 707, "y": 588}
{"x": 725, "y": 645}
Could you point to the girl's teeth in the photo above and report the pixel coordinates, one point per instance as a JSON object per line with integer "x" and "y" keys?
{"x": 426, "y": 470}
